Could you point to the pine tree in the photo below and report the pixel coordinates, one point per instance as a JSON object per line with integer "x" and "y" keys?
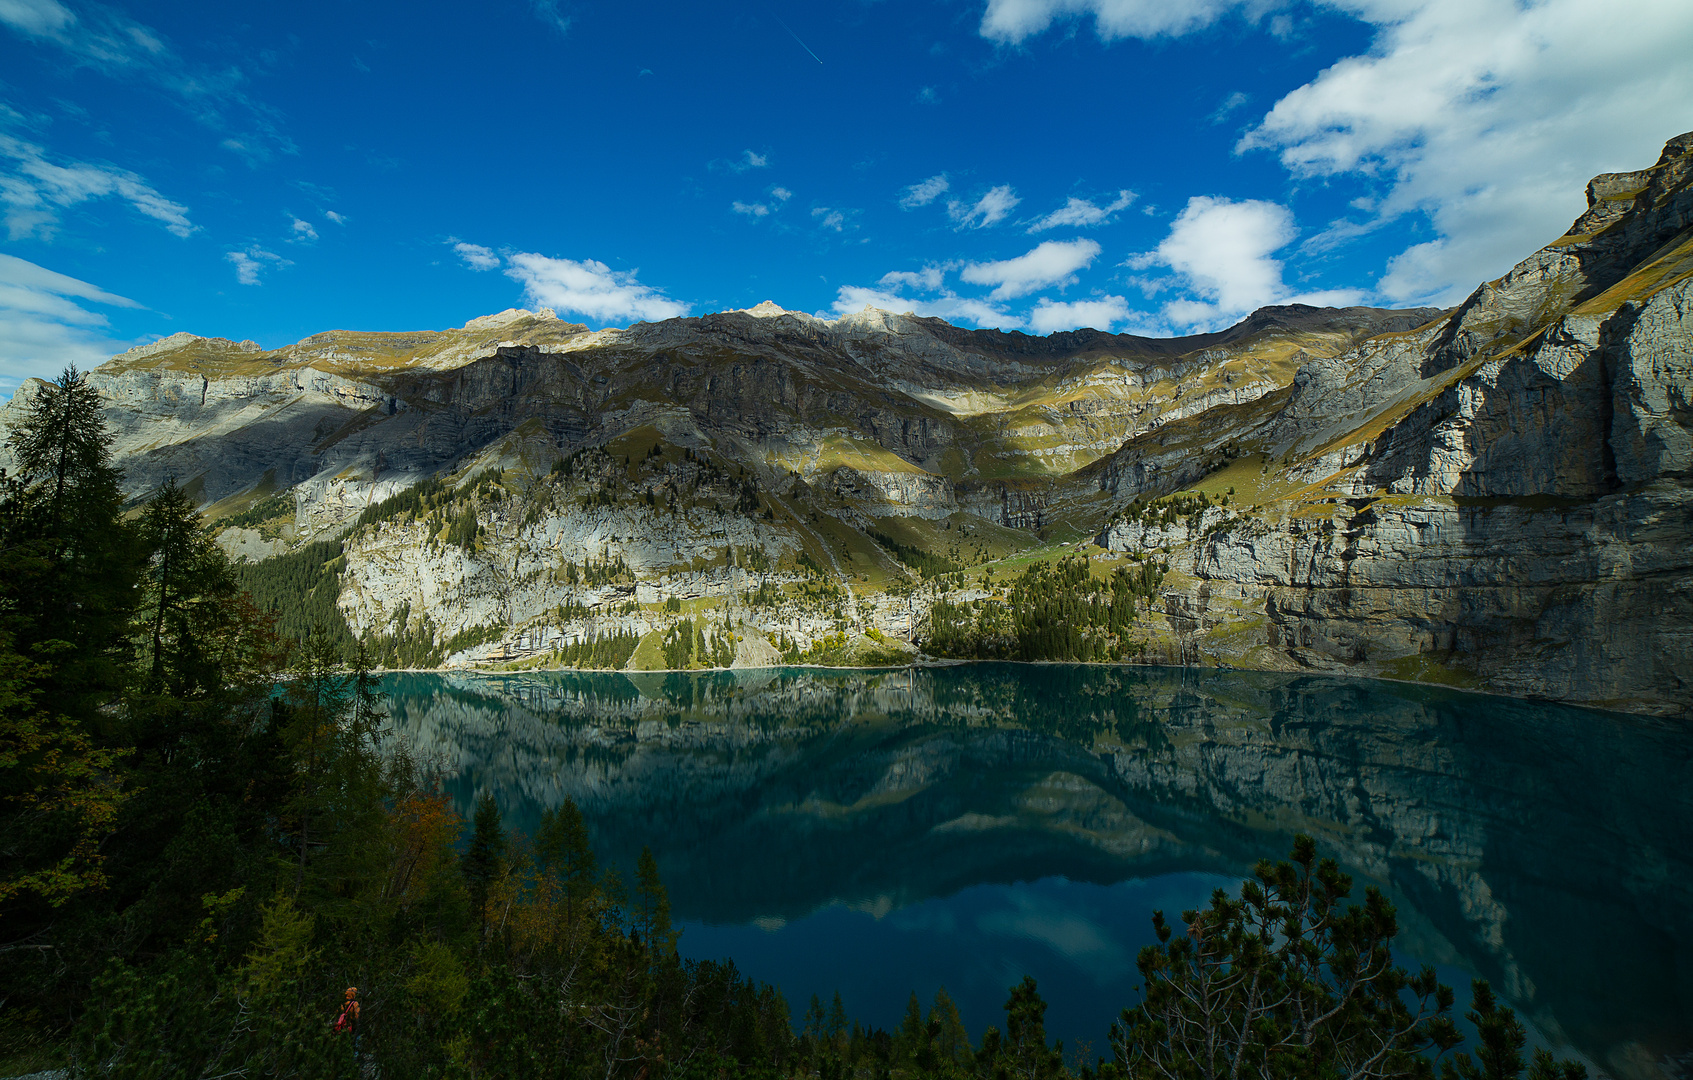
{"x": 67, "y": 559}
{"x": 1023, "y": 1051}
{"x": 652, "y": 906}
{"x": 66, "y": 592}
{"x": 484, "y": 859}
{"x": 564, "y": 851}
{"x": 837, "y": 1026}
{"x": 187, "y": 609}
{"x": 951, "y": 1038}
{"x": 911, "y": 1039}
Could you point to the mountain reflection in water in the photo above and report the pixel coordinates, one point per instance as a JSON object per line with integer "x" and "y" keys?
{"x": 1545, "y": 848}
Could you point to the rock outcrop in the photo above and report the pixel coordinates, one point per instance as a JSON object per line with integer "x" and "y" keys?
{"x": 1500, "y": 499}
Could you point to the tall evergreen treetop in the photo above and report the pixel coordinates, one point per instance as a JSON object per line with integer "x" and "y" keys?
{"x": 63, "y": 442}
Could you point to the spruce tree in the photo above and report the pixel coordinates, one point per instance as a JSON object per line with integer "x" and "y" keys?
{"x": 67, "y": 559}
{"x": 652, "y": 906}
{"x": 186, "y": 608}
{"x": 484, "y": 859}
{"x": 564, "y": 851}
{"x": 66, "y": 592}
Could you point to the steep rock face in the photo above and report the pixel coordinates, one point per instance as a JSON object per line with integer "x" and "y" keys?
{"x": 1502, "y": 499}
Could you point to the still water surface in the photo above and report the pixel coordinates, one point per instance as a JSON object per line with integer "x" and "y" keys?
{"x": 881, "y": 833}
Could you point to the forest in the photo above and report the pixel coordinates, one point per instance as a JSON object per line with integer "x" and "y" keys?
{"x": 1050, "y": 611}
{"x": 218, "y": 860}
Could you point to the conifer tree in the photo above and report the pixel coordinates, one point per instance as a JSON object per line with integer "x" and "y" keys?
{"x": 188, "y": 591}
{"x": 483, "y": 859}
{"x": 563, "y": 850}
{"x": 66, "y": 585}
{"x": 652, "y": 906}
{"x": 67, "y": 560}
{"x": 951, "y": 1039}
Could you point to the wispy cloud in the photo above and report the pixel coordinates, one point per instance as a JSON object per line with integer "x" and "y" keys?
{"x": 303, "y": 231}
{"x": 34, "y": 188}
{"x": 105, "y": 40}
{"x": 781, "y": 194}
{"x": 475, "y": 256}
{"x": 928, "y": 279}
{"x": 1053, "y": 262}
{"x": 1229, "y": 105}
{"x": 1013, "y": 21}
{"x": 251, "y": 261}
{"x": 989, "y": 210}
{"x": 752, "y": 210}
{"x": 1082, "y": 213}
{"x": 928, "y": 95}
{"x": 339, "y": 219}
{"x": 924, "y": 192}
{"x": 551, "y": 12}
{"x": 745, "y": 163}
{"x": 42, "y": 328}
{"x": 589, "y": 288}
{"x": 827, "y": 218}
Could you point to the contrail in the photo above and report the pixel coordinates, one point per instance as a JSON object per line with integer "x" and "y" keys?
{"x": 795, "y": 36}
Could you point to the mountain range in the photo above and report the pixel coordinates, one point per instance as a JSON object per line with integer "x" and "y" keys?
{"x": 1493, "y": 497}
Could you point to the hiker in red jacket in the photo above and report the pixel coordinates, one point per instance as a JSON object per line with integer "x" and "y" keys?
{"x": 348, "y": 1021}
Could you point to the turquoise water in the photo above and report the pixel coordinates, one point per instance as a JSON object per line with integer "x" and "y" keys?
{"x": 883, "y": 833}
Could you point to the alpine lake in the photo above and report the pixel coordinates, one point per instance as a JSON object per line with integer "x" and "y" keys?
{"x": 879, "y": 833}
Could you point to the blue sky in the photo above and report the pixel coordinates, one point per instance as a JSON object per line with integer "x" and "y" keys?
{"x": 1151, "y": 166}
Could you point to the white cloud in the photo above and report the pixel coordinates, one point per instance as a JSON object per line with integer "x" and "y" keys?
{"x": 747, "y": 161}
{"x": 590, "y": 288}
{"x": 42, "y": 329}
{"x": 1082, "y": 213}
{"x": 752, "y": 210}
{"x": 339, "y": 219}
{"x": 928, "y": 95}
{"x": 1012, "y": 21}
{"x": 1222, "y": 251}
{"x": 781, "y": 194}
{"x": 1229, "y": 105}
{"x": 1101, "y": 313}
{"x": 829, "y": 219}
{"x": 303, "y": 231}
{"x": 1053, "y": 262}
{"x": 475, "y": 256}
{"x": 250, "y": 262}
{"x": 33, "y": 189}
{"x": 1489, "y": 116}
{"x": 952, "y": 308}
{"x": 928, "y": 279}
{"x": 990, "y": 209}
{"x": 924, "y": 192}
{"x": 36, "y": 18}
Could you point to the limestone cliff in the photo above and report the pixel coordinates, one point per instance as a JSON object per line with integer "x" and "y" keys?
{"x": 1499, "y": 499}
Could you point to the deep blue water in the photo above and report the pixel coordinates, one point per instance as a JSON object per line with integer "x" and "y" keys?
{"x": 883, "y": 833}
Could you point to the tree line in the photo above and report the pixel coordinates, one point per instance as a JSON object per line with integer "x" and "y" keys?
{"x": 217, "y": 860}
